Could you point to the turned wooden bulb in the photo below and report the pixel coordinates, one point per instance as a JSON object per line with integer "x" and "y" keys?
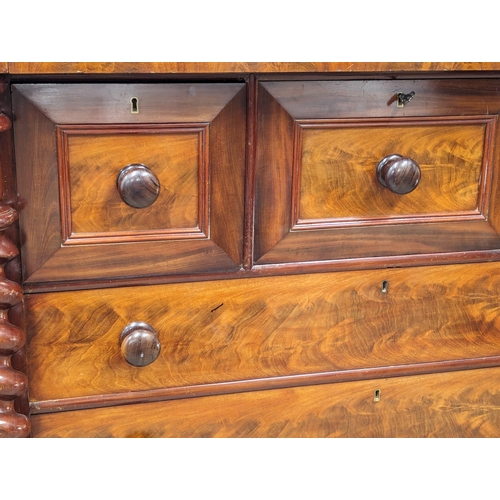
{"x": 139, "y": 344}
{"x": 5, "y": 122}
{"x": 13, "y": 383}
{"x": 138, "y": 185}
{"x": 399, "y": 174}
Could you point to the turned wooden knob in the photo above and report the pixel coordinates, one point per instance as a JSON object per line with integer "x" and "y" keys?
{"x": 139, "y": 344}
{"x": 399, "y": 174}
{"x": 138, "y": 185}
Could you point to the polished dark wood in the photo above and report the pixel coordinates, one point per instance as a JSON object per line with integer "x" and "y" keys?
{"x": 13, "y": 383}
{"x": 275, "y": 205}
{"x": 228, "y": 331}
{"x": 434, "y": 242}
{"x": 267, "y": 270}
{"x": 374, "y": 98}
{"x": 55, "y": 253}
{"x": 272, "y": 173}
{"x": 93, "y": 208}
{"x": 456, "y": 404}
{"x": 37, "y": 179}
{"x": 309, "y": 208}
{"x": 139, "y": 343}
{"x": 399, "y": 174}
{"x": 109, "y": 103}
{"x": 8, "y": 189}
{"x": 227, "y": 155}
{"x": 251, "y": 140}
{"x": 138, "y": 185}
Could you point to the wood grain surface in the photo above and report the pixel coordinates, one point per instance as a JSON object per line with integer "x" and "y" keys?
{"x": 47, "y": 259}
{"x": 245, "y": 329}
{"x": 355, "y": 104}
{"x": 175, "y": 157}
{"x": 272, "y": 173}
{"x": 437, "y": 241}
{"x": 365, "y": 98}
{"x": 37, "y": 179}
{"x": 236, "y": 67}
{"x": 227, "y": 161}
{"x": 451, "y": 405}
{"x": 140, "y": 260}
{"x": 99, "y": 103}
{"x": 13, "y": 383}
{"x": 8, "y": 187}
{"x": 338, "y": 170}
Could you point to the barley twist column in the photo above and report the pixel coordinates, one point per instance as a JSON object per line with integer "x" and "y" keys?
{"x": 13, "y": 383}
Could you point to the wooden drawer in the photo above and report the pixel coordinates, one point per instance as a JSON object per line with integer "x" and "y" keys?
{"x": 134, "y": 194}
{"x": 460, "y": 404}
{"x": 277, "y": 330}
{"x": 323, "y": 194}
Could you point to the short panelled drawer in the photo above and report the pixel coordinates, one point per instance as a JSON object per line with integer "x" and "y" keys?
{"x": 120, "y": 180}
{"x": 111, "y": 341}
{"x": 377, "y": 171}
{"x": 445, "y": 405}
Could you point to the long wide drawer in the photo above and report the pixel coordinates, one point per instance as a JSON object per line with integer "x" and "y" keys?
{"x": 458, "y": 404}
{"x": 260, "y": 328}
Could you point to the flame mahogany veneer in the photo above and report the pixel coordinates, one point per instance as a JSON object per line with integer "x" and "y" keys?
{"x": 254, "y": 274}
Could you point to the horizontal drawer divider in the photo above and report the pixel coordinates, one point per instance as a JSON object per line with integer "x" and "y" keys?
{"x": 193, "y": 391}
{"x": 279, "y": 269}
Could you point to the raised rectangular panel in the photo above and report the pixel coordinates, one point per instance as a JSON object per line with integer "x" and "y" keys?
{"x": 92, "y": 161}
{"x": 72, "y": 140}
{"x": 320, "y": 202}
{"x": 335, "y": 178}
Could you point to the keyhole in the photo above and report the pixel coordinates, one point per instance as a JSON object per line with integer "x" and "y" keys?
{"x": 376, "y": 395}
{"x": 134, "y": 105}
{"x": 385, "y": 286}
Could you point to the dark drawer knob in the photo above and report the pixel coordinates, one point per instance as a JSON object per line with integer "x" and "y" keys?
{"x": 399, "y": 174}
{"x": 139, "y": 344}
{"x": 138, "y": 185}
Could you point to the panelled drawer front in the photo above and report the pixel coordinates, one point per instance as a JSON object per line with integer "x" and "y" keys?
{"x": 459, "y": 404}
{"x": 323, "y": 195}
{"x": 94, "y": 161}
{"x": 249, "y": 329}
{"x": 336, "y": 184}
{"x": 75, "y": 147}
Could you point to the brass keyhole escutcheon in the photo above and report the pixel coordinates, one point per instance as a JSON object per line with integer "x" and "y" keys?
{"x": 404, "y": 99}
{"x": 376, "y": 395}
{"x": 134, "y": 105}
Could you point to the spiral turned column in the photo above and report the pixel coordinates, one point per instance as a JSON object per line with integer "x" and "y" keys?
{"x": 13, "y": 383}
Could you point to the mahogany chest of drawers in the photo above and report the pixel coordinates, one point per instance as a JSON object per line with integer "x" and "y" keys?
{"x": 273, "y": 250}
